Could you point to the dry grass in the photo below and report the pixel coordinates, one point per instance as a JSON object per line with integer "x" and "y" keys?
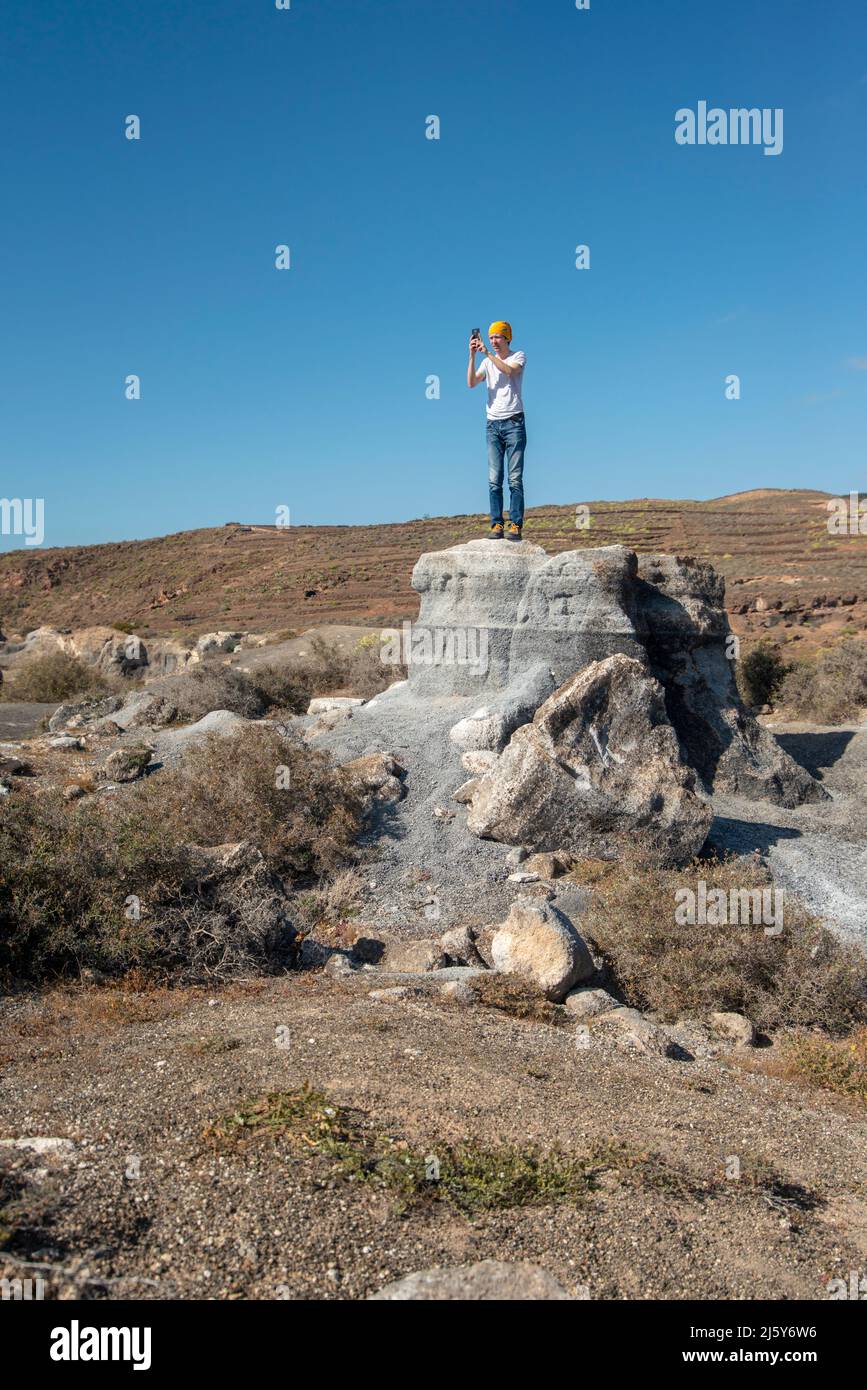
{"x": 512, "y": 995}
{"x": 360, "y": 672}
{"x": 803, "y": 977}
{"x": 831, "y": 1064}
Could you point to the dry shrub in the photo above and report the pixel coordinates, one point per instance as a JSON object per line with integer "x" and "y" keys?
{"x": 761, "y": 673}
{"x": 68, "y": 871}
{"x": 295, "y": 805}
{"x": 360, "y": 672}
{"x": 54, "y": 676}
{"x": 201, "y": 689}
{"x": 803, "y": 977}
{"x": 830, "y": 690}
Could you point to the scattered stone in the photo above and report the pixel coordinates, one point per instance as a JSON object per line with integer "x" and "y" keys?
{"x": 66, "y": 743}
{"x": 44, "y": 1147}
{"x": 329, "y": 704}
{"x": 414, "y": 957}
{"x": 587, "y": 1003}
{"x": 516, "y": 856}
{"x": 521, "y": 876}
{"x": 464, "y": 793}
{"x": 736, "y": 1027}
{"x": 127, "y": 764}
{"x": 15, "y": 767}
{"x": 489, "y": 727}
{"x": 378, "y": 776}
{"x": 443, "y": 813}
{"x": 540, "y": 944}
{"x": 487, "y": 1281}
{"x": 82, "y": 712}
{"x": 459, "y": 946}
{"x": 459, "y": 993}
{"x": 389, "y": 995}
{"x": 634, "y": 1030}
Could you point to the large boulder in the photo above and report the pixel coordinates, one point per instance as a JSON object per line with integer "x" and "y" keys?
{"x": 488, "y": 614}
{"x": 540, "y": 944}
{"x": 510, "y": 624}
{"x": 597, "y": 772}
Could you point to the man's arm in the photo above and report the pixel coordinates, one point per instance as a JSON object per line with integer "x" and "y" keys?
{"x": 498, "y": 362}
{"x": 473, "y": 377}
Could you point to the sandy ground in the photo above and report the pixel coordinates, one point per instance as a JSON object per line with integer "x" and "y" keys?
{"x": 144, "y": 1207}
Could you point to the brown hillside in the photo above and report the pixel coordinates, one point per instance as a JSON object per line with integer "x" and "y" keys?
{"x": 772, "y": 545}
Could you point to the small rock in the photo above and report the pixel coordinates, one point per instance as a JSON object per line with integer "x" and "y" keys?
{"x": 459, "y": 946}
{"x": 459, "y": 993}
{"x": 539, "y": 943}
{"x": 521, "y": 877}
{"x": 516, "y": 856}
{"x": 327, "y": 704}
{"x": 414, "y": 957}
{"x": 66, "y": 743}
{"x": 385, "y": 996}
{"x": 127, "y": 764}
{"x": 487, "y": 1281}
{"x": 464, "y": 793}
{"x": 634, "y": 1030}
{"x": 737, "y": 1027}
{"x": 40, "y": 1145}
{"x": 442, "y": 813}
{"x": 587, "y": 1003}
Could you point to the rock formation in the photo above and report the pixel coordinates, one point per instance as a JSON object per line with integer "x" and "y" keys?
{"x": 512, "y": 625}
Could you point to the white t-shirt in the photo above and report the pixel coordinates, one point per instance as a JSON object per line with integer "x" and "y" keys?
{"x": 504, "y": 392}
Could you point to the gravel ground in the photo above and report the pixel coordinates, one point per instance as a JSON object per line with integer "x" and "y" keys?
{"x": 817, "y": 853}
{"x": 145, "y": 1208}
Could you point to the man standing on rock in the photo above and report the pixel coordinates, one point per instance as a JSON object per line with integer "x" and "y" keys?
{"x": 503, "y": 370}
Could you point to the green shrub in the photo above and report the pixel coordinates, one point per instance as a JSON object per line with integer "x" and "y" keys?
{"x": 761, "y": 673}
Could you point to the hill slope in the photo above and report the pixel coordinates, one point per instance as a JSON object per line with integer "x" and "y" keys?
{"x": 772, "y": 545}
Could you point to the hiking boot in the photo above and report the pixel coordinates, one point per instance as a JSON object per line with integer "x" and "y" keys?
{"x": 513, "y": 532}
{"x": 496, "y": 531}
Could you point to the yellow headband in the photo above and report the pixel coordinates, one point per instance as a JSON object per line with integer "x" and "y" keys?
{"x": 501, "y": 327}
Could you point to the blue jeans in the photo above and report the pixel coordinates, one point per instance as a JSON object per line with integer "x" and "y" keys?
{"x": 507, "y": 438}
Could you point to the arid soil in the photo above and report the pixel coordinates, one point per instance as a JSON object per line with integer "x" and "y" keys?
{"x": 783, "y": 569}
{"x": 147, "y": 1206}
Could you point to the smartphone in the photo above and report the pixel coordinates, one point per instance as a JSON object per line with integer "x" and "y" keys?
{"x": 476, "y": 333}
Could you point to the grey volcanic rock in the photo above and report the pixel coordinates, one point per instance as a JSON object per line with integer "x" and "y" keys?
{"x": 686, "y": 631}
{"x": 529, "y": 609}
{"x": 497, "y": 623}
{"x": 489, "y": 726}
{"x": 597, "y": 772}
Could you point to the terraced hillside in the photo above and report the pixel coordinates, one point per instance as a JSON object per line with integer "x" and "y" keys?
{"x": 783, "y": 568}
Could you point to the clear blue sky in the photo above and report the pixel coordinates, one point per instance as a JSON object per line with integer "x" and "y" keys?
{"x": 306, "y": 387}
